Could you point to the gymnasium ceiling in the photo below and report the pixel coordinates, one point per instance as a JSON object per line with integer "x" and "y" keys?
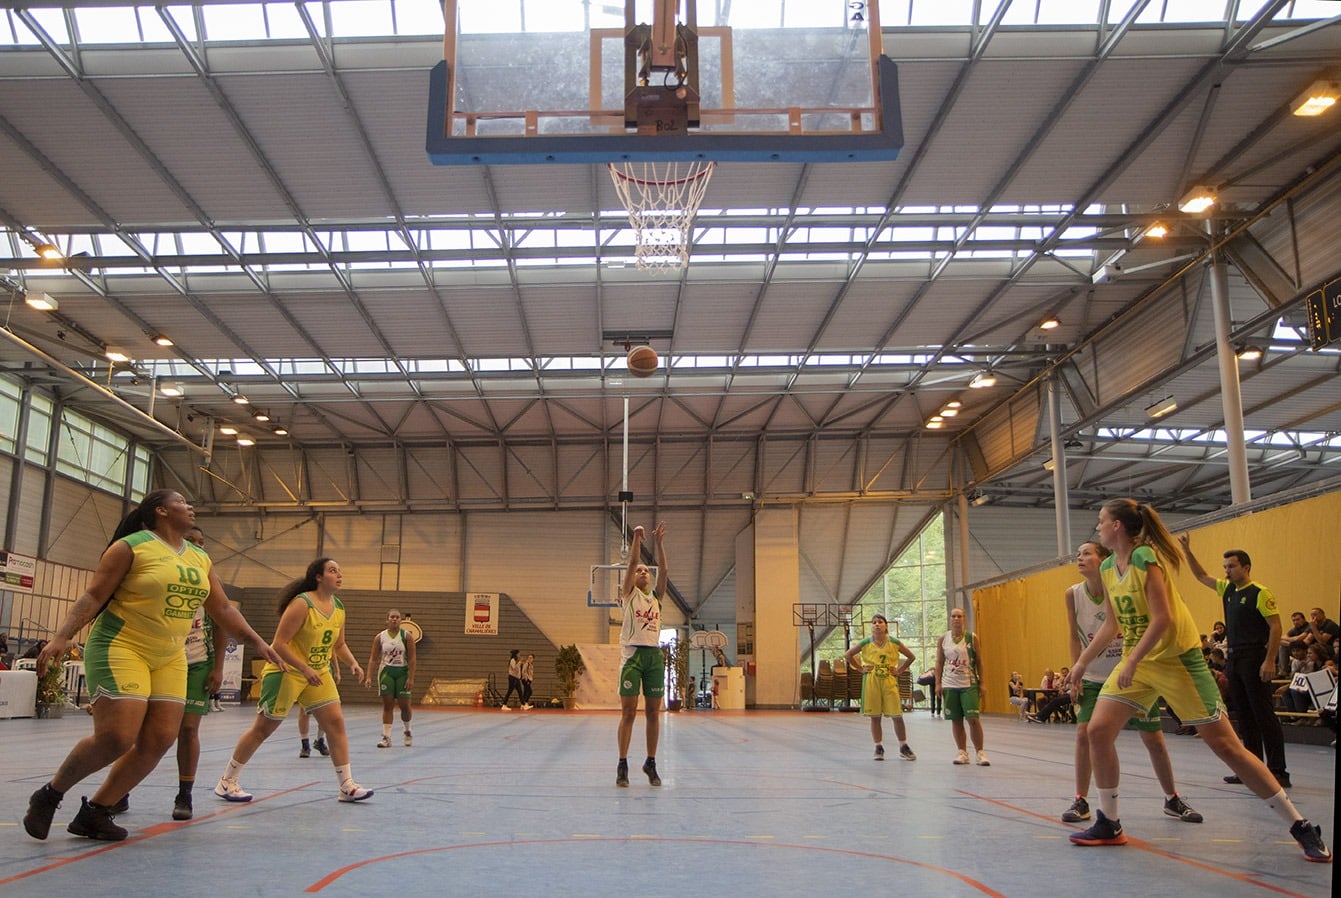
{"x": 268, "y": 205}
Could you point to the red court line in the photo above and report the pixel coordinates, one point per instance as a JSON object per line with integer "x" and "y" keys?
{"x": 149, "y": 832}
{"x": 967, "y": 880}
{"x": 1142, "y": 845}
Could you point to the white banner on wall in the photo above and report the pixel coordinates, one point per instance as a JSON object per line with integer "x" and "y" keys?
{"x": 17, "y": 571}
{"x": 481, "y": 614}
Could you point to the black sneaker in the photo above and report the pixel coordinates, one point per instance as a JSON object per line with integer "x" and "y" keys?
{"x": 1233, "y": 780}
{"x": 650, "y": 768}
{"x": 42, "y": 807}
{"x": 121, "y": 806}
{"x": 305, "y": 749}
{"x": 322, "y": 748}
{"x": 1176, "y": 807}
{"x": 1103, "y": 832}
{"x": 1079, "y": 810}
{"x": 621, "y": 774}
{"x": 1309, "y": 838}
{"x": 1284, "y": 780}
{"x": 906, "y": 752}
{"x": 95, "y": 822}
{"x": 181, "y": 807}
{"x": 879, "y": 753}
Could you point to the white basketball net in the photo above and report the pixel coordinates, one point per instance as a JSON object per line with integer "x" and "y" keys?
{"x": 662, "y": 199}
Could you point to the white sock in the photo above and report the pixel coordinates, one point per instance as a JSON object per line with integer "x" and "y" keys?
{"x": 1283, "y": 807}
{"x": 234, "y": 770}
{"x": 386, "y": 731}
{"x": 345, "y": 776}
{"x": 1108, "y": 802}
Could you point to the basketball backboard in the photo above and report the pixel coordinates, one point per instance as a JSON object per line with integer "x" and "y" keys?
{"x": 535, "y": 81}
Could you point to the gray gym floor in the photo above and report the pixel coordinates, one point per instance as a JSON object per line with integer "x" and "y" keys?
{"x": 489, "y": 803}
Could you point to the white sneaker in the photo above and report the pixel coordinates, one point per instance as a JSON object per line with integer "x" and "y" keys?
{"x": 229, "y": 790}
{"x": 982, "y": 759}
{"x": 354, "y": 792}
{"x": 384, "y": 742}
{"x": 527, "y": 707}
{"x": 961, "y": 757}
{"x": 409, "y": 739}
{"x": 506, "y": 708}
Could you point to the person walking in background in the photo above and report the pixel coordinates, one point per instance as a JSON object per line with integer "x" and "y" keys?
{"x": 643, "y": 667}
{"x": 514, "y": 679}
{"x": 527, "y": 681}
{"x": 1161, "y": 656}
{"x": 878, "y": 656}
{"x": 310, "y": 633}
{"x": 928, "y": 679}
{"x": 1253, "y": 631}
{"x": 1085, "y": 616}
{"x": 392, "y": 663}
{"x": 142, "y": 600}
{"x": 958, "y": 681}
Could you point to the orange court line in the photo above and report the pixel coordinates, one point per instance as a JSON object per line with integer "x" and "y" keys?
{"x": 149, "y": 832}
{"x": 981, "y": 887}
{"x": 1143, "y": 845}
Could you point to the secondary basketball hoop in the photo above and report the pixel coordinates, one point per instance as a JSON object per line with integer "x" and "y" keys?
{"x": 661, "y": 200}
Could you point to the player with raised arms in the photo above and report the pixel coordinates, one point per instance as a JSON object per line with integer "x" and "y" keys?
{"x": 643, "y": 667}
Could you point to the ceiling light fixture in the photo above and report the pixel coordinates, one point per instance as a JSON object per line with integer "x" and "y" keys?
{"x": 245, "y": 441}
{"x": 1248, "y": 352}
{"x": 48, "y": 251}
{"x": 948, "y": 412}
{"x": 982, "y": 380}
{"x": 1320, "y": 96}
{"x": 1049, "y": 465}
{"x": 1161, "y": 408}
{"x": 241, "y": 400}
{"x": 935, "y": 423}
{"x": 161, "y": 339}
{"x": 171, "y": 389}
{"x": 980, "y": 499}
{"x": 228, "y": 430}
{"x": 281, "y": 431}
{"x": 954, "y": 403}
{"x": 1157, "y": 231}
{"x": 116, "y": 354}
{"x": 43, "y": 302}
{"x": 1197, "y": 200}
{"x": 261, "y": 415}
{"x": 1050, "y": 323}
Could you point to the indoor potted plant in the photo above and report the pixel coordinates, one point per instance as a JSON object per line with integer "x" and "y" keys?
{"x": 678, "y": 684}
{"x": 51, "y": 691}
{"x": 568, "y": 666}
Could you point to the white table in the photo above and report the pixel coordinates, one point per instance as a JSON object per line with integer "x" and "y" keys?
{"x": 18, "y": 693}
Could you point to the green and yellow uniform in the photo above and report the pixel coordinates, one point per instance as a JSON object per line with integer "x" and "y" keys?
{"x": 1174, "y": 667}
{"x": 135, "y": 648}
{"x": 880, "y": 683}
{"x": 314, "y": 642}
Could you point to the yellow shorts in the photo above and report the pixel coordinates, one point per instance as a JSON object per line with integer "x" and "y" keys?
{"x": 281, "y": 690}
{"x": 117, "y": 665}
{"x": 880, "y": 696}
{"x": 1184, "y": 681}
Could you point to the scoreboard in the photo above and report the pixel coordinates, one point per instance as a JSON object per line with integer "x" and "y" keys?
{"x": 1323, "y": 311}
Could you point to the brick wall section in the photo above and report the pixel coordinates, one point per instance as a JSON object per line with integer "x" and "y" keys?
{"x": 445, "y": 651}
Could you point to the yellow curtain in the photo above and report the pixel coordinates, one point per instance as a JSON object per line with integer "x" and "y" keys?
{"x": 1021, "y": 624}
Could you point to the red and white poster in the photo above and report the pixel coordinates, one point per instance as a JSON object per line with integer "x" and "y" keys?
{"x": 16, "y": 571}
{"x": 481, "y": 614}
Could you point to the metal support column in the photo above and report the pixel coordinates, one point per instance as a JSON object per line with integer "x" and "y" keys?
{"x": 1060, "y": 490}
{"x": 1230, "y": 397}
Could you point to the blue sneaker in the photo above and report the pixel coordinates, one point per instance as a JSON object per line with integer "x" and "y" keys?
{"x": 1103, "y": 832}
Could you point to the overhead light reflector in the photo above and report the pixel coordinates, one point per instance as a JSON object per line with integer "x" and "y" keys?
{"x": 43, "y": 302}
{"x": 116, "y": 354}
{"x": 171, "y": 389}
{"x": 1159, "y": 409}
{"x": 982, "y": 380}
{"x": 1197, "y": 200}
{"x": 1049, "y": 323}
{"x": 1321, "y": 96}
{"x": 162, "y": 340}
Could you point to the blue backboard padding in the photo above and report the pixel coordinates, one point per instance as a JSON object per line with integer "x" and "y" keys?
{"x": 714, "y": 146}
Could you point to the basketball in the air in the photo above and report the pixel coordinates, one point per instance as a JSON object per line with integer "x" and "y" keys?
{"x": 642, "y": 361}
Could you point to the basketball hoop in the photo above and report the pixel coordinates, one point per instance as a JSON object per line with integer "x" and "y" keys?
{"x": 661, "y": 204}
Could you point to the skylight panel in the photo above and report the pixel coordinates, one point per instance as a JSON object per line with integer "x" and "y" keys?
{"x": 184, "y": 20}
{"x": 107, "y": 25}
{"x": 418, "y": 16}
{"x": 1068, "y": 12}
{"x": 361, "y": 18}
{"x": 283, "y": 22}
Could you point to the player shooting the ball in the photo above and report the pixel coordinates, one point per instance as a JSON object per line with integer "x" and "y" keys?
{"x": 643, "y": 668}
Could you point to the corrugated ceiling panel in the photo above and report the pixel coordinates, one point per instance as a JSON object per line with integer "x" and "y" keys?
{"x": 1009, "y": 431}
{"x": 30, "y": 194}
{"x": 1141, "y": 348}
{"x": 301, "y": 127}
